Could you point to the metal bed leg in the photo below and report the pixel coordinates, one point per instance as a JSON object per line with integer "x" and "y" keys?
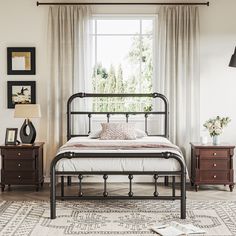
{"x": 68, "y": 180}
{"x": 53, "y": 192}
{"x": 166, "y": 181}
{"x": 173, "y": 186}
{"x": 62, "y": 186}
{"x": 183, "y": 195}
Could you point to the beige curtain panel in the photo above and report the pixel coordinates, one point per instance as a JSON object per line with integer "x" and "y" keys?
{"x": 178, "y": 69}
{"x": 69, "y": 63}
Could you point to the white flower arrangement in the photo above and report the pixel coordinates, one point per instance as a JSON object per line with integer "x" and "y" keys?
{"x": 215, "y": 126}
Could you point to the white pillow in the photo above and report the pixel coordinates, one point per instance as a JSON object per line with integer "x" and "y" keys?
{"x": 119, "y": 131}
{"x": 140, "y": 133}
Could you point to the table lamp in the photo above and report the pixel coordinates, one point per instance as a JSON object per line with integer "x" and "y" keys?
{"x": 232, "y": 62}
{"x": 27, "y": 131}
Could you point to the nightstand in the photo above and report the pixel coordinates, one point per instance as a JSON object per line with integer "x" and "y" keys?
{"x": 212, "y": 164}
{"x": 22, "y": 165}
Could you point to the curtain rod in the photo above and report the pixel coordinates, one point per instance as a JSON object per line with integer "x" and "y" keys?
{"x": 123, "y": 3}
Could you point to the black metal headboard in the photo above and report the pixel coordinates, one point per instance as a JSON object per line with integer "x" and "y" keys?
{"x": 71, "y": 112}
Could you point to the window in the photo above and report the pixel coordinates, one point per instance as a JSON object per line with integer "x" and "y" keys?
{"x": 122, "y": 61}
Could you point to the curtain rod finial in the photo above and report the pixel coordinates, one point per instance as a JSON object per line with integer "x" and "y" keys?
{"x": 208, "y": 4}
{"x": 37, "y": 3}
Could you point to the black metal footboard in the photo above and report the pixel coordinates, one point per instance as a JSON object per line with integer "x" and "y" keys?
{"x": 156, "y": 174}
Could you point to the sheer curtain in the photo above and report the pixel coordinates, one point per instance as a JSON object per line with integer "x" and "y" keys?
{"x": 178, "y": 71}
{"x": 69, "y": 48}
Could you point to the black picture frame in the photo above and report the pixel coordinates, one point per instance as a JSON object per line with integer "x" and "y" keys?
{"x": 21, "y": 61}
{"x": 11, "y": 136}
{"x": 21, "y": 92}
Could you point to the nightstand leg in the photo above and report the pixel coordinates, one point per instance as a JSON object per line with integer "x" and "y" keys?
{"x": 196, "y": 187}
{"x": 3, "y": 187}
{"x": 231, "y": 187}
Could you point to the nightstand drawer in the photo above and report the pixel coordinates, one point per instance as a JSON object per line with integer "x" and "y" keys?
{"x": 206, "y": 164}
{"x": 19, "y": 177}
{"x": 214, "y": 176}
{"x": 19, "y": 165}
{"x": 20, "y": 153}
{"x": 214, "y": 153}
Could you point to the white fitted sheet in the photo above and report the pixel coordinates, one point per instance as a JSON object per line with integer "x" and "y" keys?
{"x": 118, "y": 164}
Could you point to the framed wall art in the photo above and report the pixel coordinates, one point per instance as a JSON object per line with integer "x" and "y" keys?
{"x": 21, "y": 61}
{"x": 20, "y": 92}
{"x": 11, "y": 136}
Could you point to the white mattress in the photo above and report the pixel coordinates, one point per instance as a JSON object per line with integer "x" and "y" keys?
{"x": 118, "y": 164}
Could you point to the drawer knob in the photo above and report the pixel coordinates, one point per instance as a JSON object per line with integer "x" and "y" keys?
{"x": 214, "y": 164}
{"x": 19, "y": 153}
{"x": 19, "y": 165}
{"x": 19, "y": 176}
{"x": 214, "y": 154}
{"x": 214, "y": 176}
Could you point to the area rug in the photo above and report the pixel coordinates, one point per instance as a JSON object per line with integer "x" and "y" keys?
{"x": 126, "y": 217}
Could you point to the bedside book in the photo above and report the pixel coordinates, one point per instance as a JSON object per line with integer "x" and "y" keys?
{"x": 176, "y": 229}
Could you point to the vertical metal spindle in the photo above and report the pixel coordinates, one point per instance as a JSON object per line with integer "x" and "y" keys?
{"x": 108, "y": 117}
{"x": 89, "y": 116}
{"x": 80, "y": 185}
{"x": 155, "y": 192}
{"x": 146, "y": 116}
{"x": 62, "y": 186}
{"x": 173, "y": 186}
{"x": 127, "y": 117}
{"x": 105, "y": 193}
{"x": 130, "y": 186}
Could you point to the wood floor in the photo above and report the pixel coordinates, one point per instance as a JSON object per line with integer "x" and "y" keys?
{"x": 28, "y": 193}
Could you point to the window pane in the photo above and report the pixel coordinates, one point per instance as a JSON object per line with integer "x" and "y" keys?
{"x": 147, "y": 64}
{"x": 147, "y": 26}
{"x": 118, "y": 26}
{"x": 123, "y": 63}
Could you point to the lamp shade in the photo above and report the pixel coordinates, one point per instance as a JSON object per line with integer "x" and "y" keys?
{"x": 27, "y": 111}
{"x": 232, "y": 62}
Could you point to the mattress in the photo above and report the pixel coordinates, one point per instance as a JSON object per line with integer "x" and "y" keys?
{"x": 141, "y": 145}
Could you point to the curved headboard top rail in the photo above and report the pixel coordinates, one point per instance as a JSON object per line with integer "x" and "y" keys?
{"x": 112, "y": 95}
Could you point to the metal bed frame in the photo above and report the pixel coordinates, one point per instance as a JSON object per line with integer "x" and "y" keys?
{"x": 156, "y": 174}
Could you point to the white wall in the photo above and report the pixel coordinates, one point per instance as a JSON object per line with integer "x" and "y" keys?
{"x": 24, "y": 24}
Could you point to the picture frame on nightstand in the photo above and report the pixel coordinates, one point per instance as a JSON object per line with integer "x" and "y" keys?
{"x": 11, "y": 136}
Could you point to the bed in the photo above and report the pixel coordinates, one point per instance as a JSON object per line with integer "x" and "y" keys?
{"x": 151, "y": 155}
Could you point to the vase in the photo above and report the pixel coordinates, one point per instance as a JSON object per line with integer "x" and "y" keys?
{"x": 216, "y": 140}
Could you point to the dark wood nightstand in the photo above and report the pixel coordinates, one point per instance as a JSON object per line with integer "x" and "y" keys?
{"x": 212, "y": 164}
{"x": 22, "y": 165}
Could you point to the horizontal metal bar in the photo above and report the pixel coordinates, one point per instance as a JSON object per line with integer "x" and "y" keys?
{"x": 116, "y": 113}
{"x": 123, "y": 3}
{"x": 86, "y": 135}
{"x": 117, "y": 197}
{"x": 159, "y": 173}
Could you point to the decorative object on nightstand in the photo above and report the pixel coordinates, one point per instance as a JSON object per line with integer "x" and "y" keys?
{"x": 27, "y": 111}
{"x": 212, "y": 164}
{"x": 215, "y": 127}
{"x": 11, "y": 136}
{"x": 232, "y": 62}
{"x": 22, "y": 165}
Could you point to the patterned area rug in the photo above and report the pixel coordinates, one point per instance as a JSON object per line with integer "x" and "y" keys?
{"x": 127, "y": 217}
